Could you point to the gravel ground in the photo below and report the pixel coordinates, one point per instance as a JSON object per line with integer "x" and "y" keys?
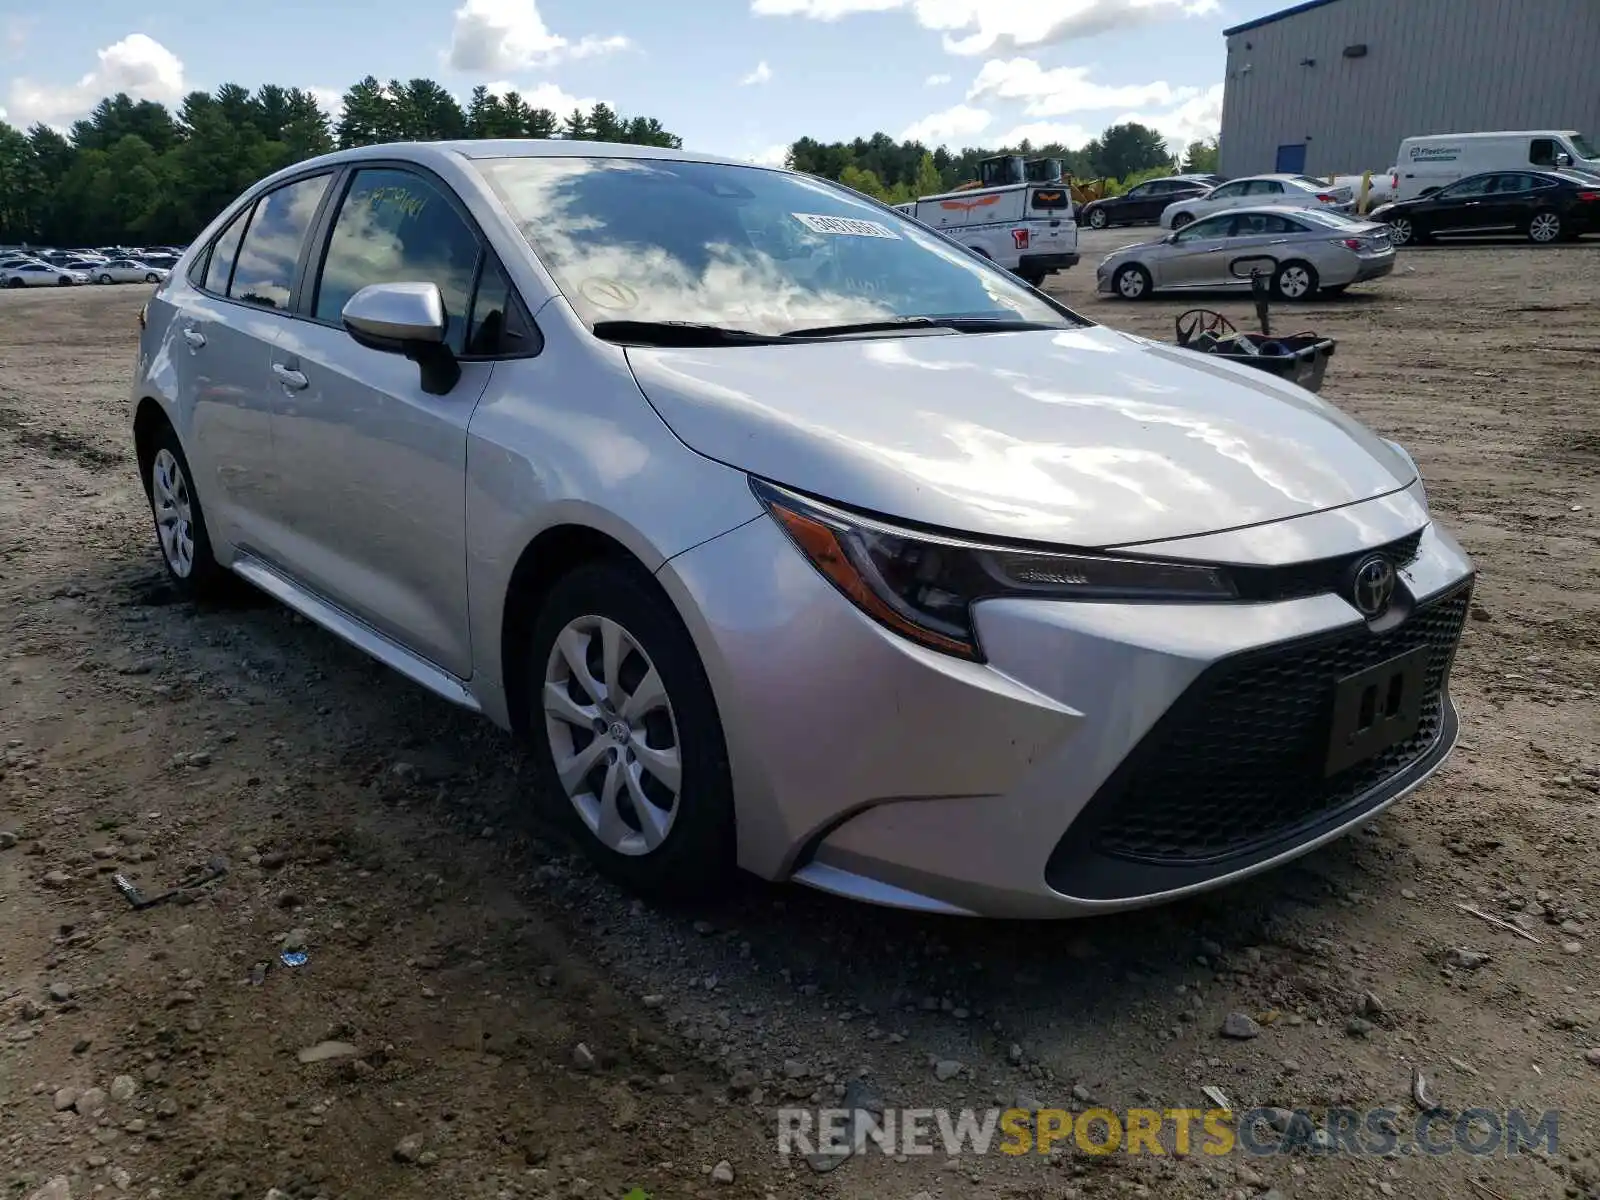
{"x": 487, "y": 1019}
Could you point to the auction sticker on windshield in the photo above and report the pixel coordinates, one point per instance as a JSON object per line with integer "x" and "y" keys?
{"x": 849, "y": 226}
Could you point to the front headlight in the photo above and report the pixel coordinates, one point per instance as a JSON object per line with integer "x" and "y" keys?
{"x": 923, "y": 585}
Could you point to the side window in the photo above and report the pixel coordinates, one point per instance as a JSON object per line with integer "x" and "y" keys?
{"x": 1261, "y": 224}
{"x": 396, "y": 227}
{"x": 1542, "y": 152}
{"x": 498, "y": 326}
{"x": 1211, "y": 227}
{"x": 1226, "y": 190}
{"x": 1143, "y": 192}
{"x": 271, "y": 249}
{"x": 219, "y": 269}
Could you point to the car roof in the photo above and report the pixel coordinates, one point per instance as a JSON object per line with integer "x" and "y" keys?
{"x": 432, "y": 152}
{"x": 1491, "y": 133}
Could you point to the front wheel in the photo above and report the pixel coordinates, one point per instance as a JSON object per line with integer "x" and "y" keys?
{"x": 1402, "y": 232}
{"x": 14, "y": 282}
{"x": 1098, "y": 219}
{"x": 1545, "y": 227}
{"x": 105, "y": 279}
{"x": 1295, "y": 280}
{"x": 152, "y": 277}
{"x": 626, "y": 735}
{"x": 1132, "y": 282}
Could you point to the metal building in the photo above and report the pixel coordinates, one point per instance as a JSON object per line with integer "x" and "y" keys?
{"x": 1332, "y": 86}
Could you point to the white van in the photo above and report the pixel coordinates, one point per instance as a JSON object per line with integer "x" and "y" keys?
{"x": 1426, "y": 164}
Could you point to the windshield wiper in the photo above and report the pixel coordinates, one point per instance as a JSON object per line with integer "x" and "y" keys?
{"x": 680, "y": 333}
{"x": 958, "y": 324}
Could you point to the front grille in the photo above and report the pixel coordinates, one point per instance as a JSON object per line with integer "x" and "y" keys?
{"x": 1315, "y": 578}
{"x": 1237, "y": 763}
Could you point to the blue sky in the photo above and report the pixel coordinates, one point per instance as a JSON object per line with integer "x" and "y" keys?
{"x": 739, "y": 77}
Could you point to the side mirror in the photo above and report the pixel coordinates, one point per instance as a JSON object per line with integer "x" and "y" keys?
{"x": 1563, "y": 160}
{"x": 408, "y": 319}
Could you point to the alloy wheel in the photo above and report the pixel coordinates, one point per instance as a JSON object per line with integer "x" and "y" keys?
{"x": 1400, "y": 231}
{"x": 1180, "y": 220}
{"x": 1294, "y": 282}
{"x": 1097, "y": 219}
{"x": 169, "y": 495}
{"x": 613, "y": 735}
{"x": 1130, "y": 283}
{"x": 1545, "y": 227}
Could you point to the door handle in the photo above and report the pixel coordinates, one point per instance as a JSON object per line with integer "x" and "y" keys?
{"x": 289, "y": 377}
{"x": 194, "y": 337}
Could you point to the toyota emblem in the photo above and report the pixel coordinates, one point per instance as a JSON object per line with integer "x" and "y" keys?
{"x": 1373, "y": 585}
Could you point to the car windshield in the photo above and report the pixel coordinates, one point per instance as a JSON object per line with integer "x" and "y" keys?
{"x": 1333, "y": 220}
{"x": 1581, "y": 145}
{"x": 769, "y": 252}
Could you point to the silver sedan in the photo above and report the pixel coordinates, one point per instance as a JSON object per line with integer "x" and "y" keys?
{"x": 1304, "y": 251}
{"x": 792, "y": 536}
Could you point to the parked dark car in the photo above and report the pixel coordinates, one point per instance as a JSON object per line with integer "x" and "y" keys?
{"x": 1546, "y": 206}
{"x": 1143, "y": 203}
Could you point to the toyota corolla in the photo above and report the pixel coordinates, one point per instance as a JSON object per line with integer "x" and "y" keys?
{"x": 794, "y": 537}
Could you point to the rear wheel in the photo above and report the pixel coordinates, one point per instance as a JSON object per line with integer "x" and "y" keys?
{"x": 105, "y": 279}
{"x": 152, "y": 277}
{"x": 1295, "y": 280}
{"x": 1545, "y": 227}
{"x": 626, "y": 734}
{"x": 1179, "y": 220}
{"x": 1132, "y": 282}
{"x": 1098, "y": 219}
{"x": 1033, "y": 279}
{"x": 180, "y": 521}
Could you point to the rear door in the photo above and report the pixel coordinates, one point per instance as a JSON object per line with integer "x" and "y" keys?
{"x": 374, "y": 466}
{"x": 226, "y": 321}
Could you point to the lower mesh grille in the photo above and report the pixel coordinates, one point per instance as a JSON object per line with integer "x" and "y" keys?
{"x": 1238, "y": 763}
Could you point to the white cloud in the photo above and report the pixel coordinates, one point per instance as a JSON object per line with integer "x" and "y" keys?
{"x": 936, "y": 81}
{"x": 1047, "y": 133}
{"x": 330, "y": 100}
{"x": 544, "y": 95}
{"x": 940, "y": 128}
{"x": 1193, "y": 120}
{"x": 1000, "y": 26}
{"x": 770, "y": 156}
{"x": 503, "y": 35}
{"x": 138, "y": 65}
{"x": 1067, "y": 89}
{"x": 762, "y": 74}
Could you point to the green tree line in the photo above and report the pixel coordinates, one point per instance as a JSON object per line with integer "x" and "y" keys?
{"x": 897, "y": 171}
{"x": 135, "y": 173}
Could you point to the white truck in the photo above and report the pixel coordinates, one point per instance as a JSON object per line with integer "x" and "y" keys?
{"x": 1020, "y": 216}
{"x": 1426, "y": 164}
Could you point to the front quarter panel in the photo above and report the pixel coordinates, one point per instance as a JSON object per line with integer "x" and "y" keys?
{"x": 567, "y": 438}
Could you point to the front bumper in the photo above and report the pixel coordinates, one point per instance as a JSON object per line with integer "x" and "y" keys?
{"x": 868, "y": 766}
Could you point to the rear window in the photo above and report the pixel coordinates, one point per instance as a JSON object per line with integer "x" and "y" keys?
{"x": 1051, "y": 198}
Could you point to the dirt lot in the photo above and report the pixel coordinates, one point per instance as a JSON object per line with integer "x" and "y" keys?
{"x": 464, "y": 955}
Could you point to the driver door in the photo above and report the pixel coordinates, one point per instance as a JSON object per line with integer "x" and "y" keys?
{"x": 1196, "y": 255}
{"x": 374, "y": 467}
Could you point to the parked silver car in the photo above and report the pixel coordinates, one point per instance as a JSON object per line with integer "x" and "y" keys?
{"x": 793, "y": 536}
{"x": 1303, "y": 251}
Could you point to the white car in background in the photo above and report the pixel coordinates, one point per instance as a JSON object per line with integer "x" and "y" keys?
{"x": 128, "y": 270}
{"x": 41, "y": 275}
{"x": 1293, "y": 191}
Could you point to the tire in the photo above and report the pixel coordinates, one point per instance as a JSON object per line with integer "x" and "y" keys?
{"x": 1098, "y": 219}
{"x": 1402, "y": 232}
{"x": 14, "y": 282}
{"x": 152, "y": 277}
{"x": 1132, "y": 282}
{"x": 1544, "y": 227}
{"x": 180, "y": 522}
{"x": 1294, "y": 281}
{"x": 1034, "y": 279}
{"x": 105, "y": 279}
{"x": 1179, "y": 220}
{"x": 692, "y": 829}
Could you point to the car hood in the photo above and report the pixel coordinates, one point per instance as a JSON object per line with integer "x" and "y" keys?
{"x": 1085, "y": 437}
